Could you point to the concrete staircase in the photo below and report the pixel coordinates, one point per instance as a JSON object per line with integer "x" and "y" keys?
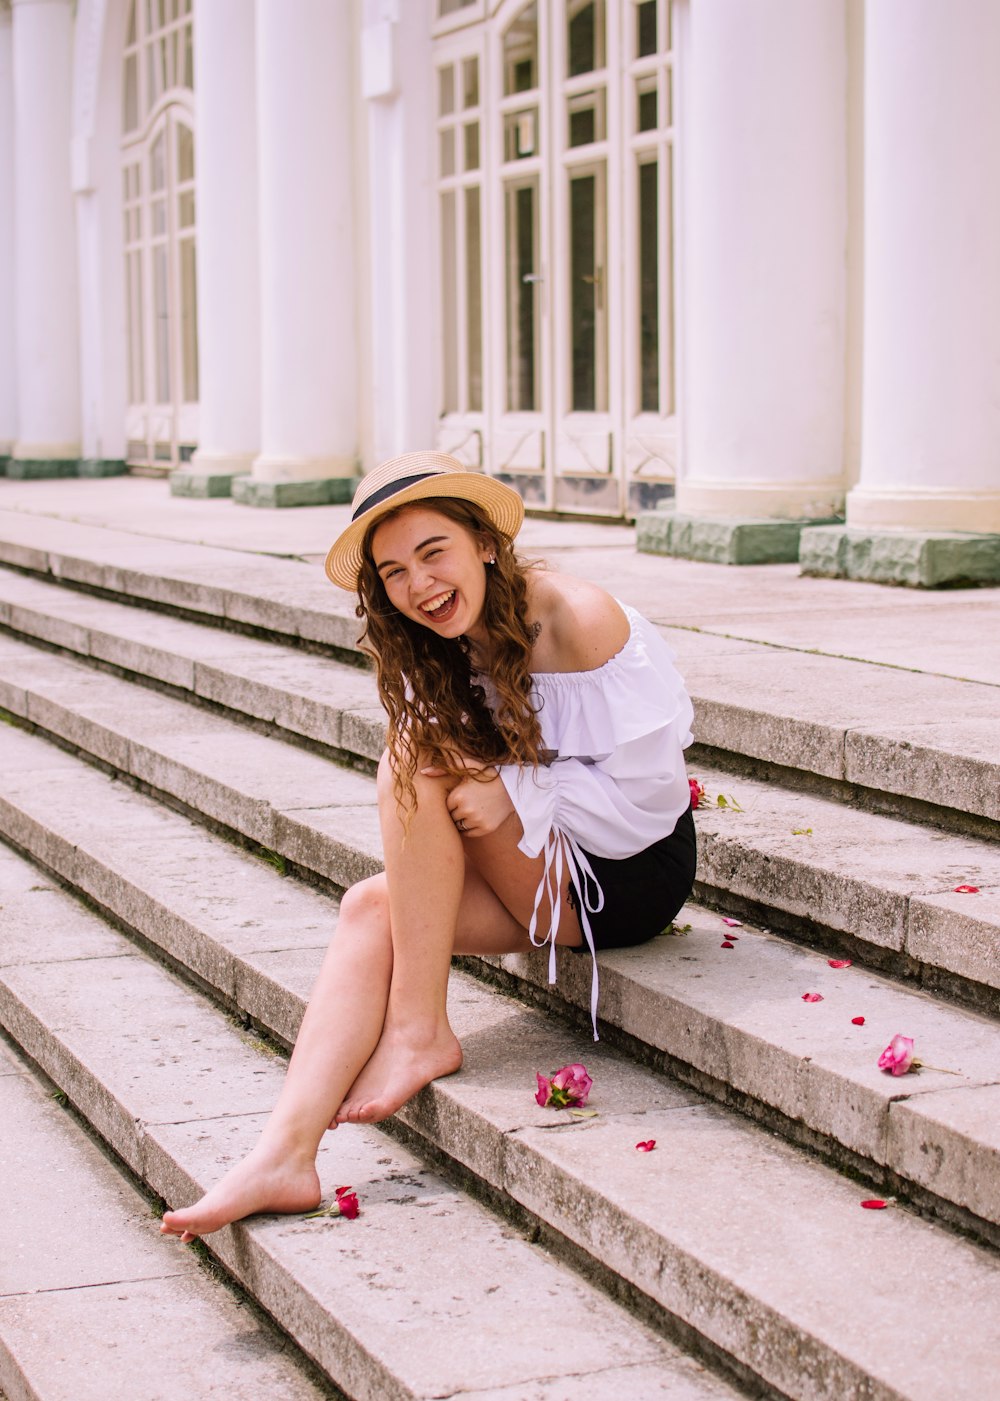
{"x": 186, "y": 783}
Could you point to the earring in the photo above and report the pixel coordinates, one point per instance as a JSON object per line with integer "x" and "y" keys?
{"x": 492, "y": 559}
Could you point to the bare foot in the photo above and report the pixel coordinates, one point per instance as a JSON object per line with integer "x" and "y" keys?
{"x": 263, "y": 1181}
{"x": 398, "y": 1068}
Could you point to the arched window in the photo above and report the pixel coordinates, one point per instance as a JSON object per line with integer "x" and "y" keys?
{"x": 558, "y": 360}
{"x": 158, "y": 199}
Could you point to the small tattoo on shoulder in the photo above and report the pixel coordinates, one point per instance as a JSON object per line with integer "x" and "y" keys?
{"x": 534, "y": 631}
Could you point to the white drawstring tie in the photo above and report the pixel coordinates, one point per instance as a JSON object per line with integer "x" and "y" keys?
{"x": 561, "y": 851}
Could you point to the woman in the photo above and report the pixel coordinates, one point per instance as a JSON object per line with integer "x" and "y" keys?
{"x": 533, "y": 790}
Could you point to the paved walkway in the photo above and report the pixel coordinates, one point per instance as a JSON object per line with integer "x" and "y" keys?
{"x": 949, "y": 633}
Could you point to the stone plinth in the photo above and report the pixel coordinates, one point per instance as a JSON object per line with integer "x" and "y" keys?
{"x": 914, "y": 558}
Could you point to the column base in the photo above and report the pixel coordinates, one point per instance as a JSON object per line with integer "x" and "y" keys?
{"x": 102, "y": 467}
{"x": 720, "y": 539}
{"x": 25, "y": 469}
{"x": 203, "y": 484}
{"x": 916, "y": 559}
{"x": 323, "y": 491}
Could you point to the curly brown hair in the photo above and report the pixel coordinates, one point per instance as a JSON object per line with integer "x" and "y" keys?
{"x": 443, "y": 710}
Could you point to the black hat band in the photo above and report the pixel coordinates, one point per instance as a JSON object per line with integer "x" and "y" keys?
{"x": 384, "y": 492}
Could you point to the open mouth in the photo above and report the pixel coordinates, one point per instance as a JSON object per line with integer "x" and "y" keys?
{"x": 440, "y": 609}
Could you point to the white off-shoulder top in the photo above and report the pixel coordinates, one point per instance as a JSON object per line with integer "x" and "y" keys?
{"x": 617, "y": 781}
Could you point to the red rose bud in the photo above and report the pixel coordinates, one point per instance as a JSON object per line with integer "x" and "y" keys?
{"x": 697, "y": 791}
{"x": 347, "y": 1201}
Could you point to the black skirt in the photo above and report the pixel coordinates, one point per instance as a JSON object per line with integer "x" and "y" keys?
{"x": 642, "y": 893}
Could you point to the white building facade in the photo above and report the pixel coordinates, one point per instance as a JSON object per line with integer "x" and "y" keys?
{"x": 737, "y": 255}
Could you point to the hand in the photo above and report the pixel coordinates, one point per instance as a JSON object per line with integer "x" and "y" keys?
{"x": 477, "y": 805}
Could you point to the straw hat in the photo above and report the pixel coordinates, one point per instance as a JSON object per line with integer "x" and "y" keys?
{"x": 416, "y": 476}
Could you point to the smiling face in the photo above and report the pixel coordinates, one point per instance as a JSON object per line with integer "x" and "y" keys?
{"x": 433, "y": 570}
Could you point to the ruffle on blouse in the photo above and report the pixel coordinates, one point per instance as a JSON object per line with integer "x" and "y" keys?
{"x": 637, "y": 692}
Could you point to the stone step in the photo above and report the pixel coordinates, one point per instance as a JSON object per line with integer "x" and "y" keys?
{"x": 91, "y": 1306}
{"x": 806, "y": 862}
{"x": 817, "y": 717}
{"x": 427, "y": 1294}
{"x": 755, "y": 1248}
{"x": 733, "y": 1021}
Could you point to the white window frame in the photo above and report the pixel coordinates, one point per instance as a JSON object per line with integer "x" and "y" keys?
{"x": 619, "y": 459}
{"x": 160, "y": 435}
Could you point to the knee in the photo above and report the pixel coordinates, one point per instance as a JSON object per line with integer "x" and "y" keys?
{"x": 365, "y": 906}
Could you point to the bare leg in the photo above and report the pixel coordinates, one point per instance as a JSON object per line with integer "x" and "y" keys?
{"x": 425, "y": 878}
{"x": 494, "y": 904}
{"x": 339, "y": 1031}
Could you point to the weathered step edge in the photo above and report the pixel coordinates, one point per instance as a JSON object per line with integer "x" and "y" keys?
{"x": 54, "y": 1161}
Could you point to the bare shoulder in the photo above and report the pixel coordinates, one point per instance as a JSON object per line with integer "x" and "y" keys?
{"x": 582, "y": 626}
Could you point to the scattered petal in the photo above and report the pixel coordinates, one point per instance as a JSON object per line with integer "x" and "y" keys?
{"x": 874, "y": 1204}
{"x": 727, "y": 944}
{"x": 966, "y": 889}
{"x": 839, "y": 962}
{"x": 733, "y": 923}
{"x": 583, "y": 1113}
{"x": 647, "y": 1146}
{"x": 812, "y": 997}
{"x": 857, "y": 1021}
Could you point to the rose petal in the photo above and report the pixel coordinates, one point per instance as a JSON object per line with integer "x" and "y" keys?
{"x": 966, "y": 889}
{"x": 874, "y": 1204}
{"x": 647, "y": 1146}
{"x": 839, "y": 962}
{"x": 812, "y": 997}
{"x": 726, "y": 945}
{"x": 857, "y": 1021}
{"x": 733, "y": 923}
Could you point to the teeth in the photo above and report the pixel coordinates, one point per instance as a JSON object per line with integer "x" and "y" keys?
{"x": 433, "y": 604}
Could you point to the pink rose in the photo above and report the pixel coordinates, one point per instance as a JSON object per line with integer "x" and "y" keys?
{"x": 567, "y": 1088}
{"x": 897, "y": 1057}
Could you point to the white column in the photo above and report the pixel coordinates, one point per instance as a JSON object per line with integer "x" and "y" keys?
{"x": 396, "y": 81}
{"x": 931, "y": 417}
{"x": 308, "y": 396}
{"x": 48, "y": 374}
{"x": 765, "y": 177}
{"x": 228, "y": 265}
{"x": 8, "y": 353}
